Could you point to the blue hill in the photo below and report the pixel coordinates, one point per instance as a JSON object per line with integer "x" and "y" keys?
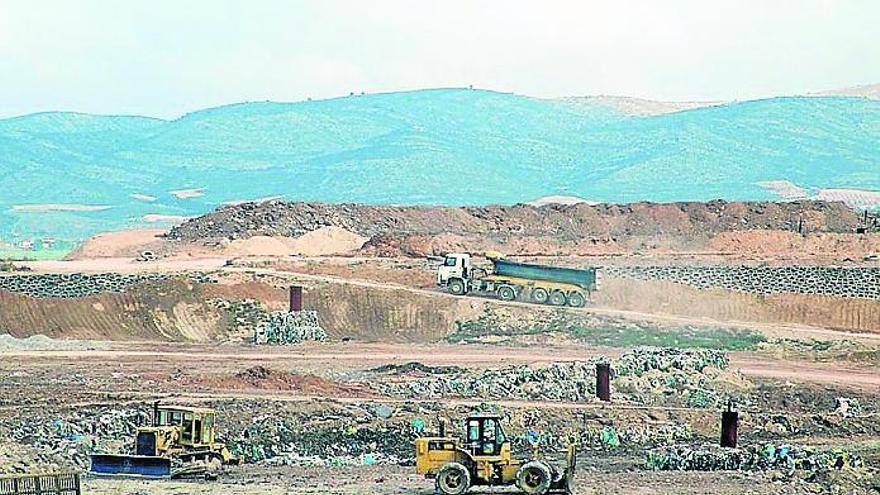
{"x": 450, "y": 146}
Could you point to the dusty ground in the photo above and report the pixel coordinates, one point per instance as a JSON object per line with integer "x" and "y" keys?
{"x": 791, "y": 357}
{"x": 314, "y": 377}
{"x": 400, "y": 480}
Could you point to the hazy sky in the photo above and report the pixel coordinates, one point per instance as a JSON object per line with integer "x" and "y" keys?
{"x": 166, "y": 57}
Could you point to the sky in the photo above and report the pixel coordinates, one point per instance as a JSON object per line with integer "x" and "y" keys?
{"x": 164, "y": 58}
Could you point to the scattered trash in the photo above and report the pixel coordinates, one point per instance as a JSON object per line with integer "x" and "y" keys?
{"x": 787, "y": 458}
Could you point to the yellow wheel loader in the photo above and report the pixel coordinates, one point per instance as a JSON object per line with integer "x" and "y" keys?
{"x": 484, "y": 458}
{"x": 179, "y": 442}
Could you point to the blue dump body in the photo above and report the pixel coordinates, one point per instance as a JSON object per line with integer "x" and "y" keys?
{"x": 585, "y": 279}
{"x": 131, "y": 465}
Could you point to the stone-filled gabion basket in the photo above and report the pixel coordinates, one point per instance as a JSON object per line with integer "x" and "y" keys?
{"x": 293, "y": 327}
{"x": 853, "y": 282}
{"x": 75, "y": 285}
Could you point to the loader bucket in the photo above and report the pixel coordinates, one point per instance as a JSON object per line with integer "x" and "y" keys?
{"x": 143, "y": 466}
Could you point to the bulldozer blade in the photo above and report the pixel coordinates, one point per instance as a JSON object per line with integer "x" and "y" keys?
{"x": 142, "y": 466}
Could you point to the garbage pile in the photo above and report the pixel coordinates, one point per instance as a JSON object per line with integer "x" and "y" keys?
{"x": 415, "y": 367}
{"x": 662, "y": 376}
{"x": 294, "y": 327}
{"x": 645, "y": 359}
{"x": 67, "y": 441}
{"x": 337, "y": 440}
{"x": 787, "y": 458}
{"x": 643, "y": 375}
{"x": 605, "y": 437}
{"x": 573, "y": 381}
{"x": 245, "y": 316}
{"x": 847, "y": 407}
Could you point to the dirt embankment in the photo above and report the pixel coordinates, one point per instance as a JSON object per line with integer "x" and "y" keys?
{"x": 360, "y": 311}
{"x": 661, "y": 297}
{"x": 167, "y": 310}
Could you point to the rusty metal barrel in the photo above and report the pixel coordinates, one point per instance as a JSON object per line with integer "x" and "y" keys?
{"x": 296, "y": 298}
{"x": 603, "y": 381}
{"x": 729, "y": 422}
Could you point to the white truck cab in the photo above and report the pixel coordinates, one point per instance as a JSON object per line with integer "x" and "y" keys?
{"x": 455, "y": 266}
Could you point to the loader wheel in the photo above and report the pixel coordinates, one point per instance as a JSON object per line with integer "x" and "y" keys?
{"x": 557, "y": 298}
{"x": 570, "y": 486}
{"x": 455, "y": 287}
{"x": 507, "y": 293}
{"x": 453, "y": 479}
{"x": 534, "y": 478}
{"x": 540, "y": 295}
{"x": 576, "y": 300}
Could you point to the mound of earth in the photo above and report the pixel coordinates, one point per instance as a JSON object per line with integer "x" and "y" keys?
{"x": 401, "y": 229}
{"x": 123, "y": 244}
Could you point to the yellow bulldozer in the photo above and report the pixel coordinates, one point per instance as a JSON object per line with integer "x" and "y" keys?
{"x": 181, "y": 441}
{"x": 484, "y": 458}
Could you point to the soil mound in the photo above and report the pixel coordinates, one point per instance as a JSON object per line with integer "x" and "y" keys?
{"x": 550, "y": 229}
{"x": 571, "y": 222}
{"x": 123, "y": 244}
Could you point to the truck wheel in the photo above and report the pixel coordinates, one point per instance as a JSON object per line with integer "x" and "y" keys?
{"x": 576, "y": 300}
{"x": 540, "y": 295}
{"x": 557, "y": 298}
{"x": 533, "y": 478}
{"x": 506, "y": 293}
{"x": 455, "y": 287}
{"x": 453, "y": 479}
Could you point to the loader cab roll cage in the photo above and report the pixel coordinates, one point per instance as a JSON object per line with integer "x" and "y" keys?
{"x": 485, "y": 436}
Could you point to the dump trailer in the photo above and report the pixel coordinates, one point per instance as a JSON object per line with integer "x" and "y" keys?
{"x": 483, "y": 457}
{"x": 509, "y": 280}
{"x": 179, "y": 442}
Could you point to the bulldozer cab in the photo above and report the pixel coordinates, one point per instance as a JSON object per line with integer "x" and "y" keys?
{"x": 196, "y": 425}
{"x": 485, "y": 437}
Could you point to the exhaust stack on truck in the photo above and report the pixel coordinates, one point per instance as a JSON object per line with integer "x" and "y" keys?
{"x": 509, "y": 280}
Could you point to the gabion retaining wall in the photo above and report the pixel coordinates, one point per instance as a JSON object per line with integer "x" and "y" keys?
{"x": 854, "y": 282}
{"x": 73, "y": 285}
{"x": 290, "y": 328}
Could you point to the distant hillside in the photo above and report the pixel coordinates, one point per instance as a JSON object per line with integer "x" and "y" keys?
{"x": 72, "y": 175}
{"x": 635, "y": 106}
{"x": 866, "y": 91}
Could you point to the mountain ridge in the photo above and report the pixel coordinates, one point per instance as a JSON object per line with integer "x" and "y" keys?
{"x": 439, "y": 146}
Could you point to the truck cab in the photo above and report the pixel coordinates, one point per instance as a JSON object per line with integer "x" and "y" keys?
{"x": 455, "y": 270}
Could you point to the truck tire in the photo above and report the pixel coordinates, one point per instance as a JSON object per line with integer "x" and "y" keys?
{"x": 455, "y": 286}
{"x": 576, "y": 300}
{"x": 453, "y": 479}
{"x": 557, "y": 298}
{"x": 534, "y": 478}
{"x": 506, "y": 293}
{"x": 540, "y": 295}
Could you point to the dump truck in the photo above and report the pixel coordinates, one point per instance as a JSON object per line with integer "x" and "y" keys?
{"x": 510, "y": 281}
{"x": 181, "y": 441}
{"x": 484, "y": 458}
